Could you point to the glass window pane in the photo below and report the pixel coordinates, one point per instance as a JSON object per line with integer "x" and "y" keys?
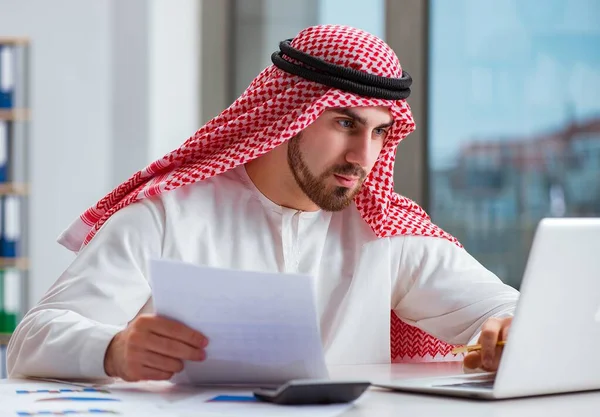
{"x": 514, "y": 121}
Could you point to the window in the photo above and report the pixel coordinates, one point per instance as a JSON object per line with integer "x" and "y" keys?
{"x": 514, "y": 121}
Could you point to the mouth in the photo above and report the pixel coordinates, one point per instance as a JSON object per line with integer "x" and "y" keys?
{"x": 346, "y": 181}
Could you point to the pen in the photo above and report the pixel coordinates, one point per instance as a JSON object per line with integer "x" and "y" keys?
{"x": 473, "y": 348}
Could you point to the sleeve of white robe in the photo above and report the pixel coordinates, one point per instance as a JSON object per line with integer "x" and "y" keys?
{"x": 444, "y": 291}
{"x": 66, "y": 334}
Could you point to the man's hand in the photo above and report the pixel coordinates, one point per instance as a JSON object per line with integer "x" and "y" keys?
{"x": 152, "y": 348}
{"x": 488, "y": 358}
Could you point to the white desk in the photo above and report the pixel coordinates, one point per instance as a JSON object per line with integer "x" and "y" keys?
{"x": 382, "y": 403}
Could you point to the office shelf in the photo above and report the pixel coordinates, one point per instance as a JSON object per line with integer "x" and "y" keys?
{"x": 15, "y": 116}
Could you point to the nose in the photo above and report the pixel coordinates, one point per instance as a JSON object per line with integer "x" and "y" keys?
{"x": 358, "y": 152}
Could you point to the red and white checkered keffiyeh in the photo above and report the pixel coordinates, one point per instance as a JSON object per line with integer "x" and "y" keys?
{"x": 274, "y": 108}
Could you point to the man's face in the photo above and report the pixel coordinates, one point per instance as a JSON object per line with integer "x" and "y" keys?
{"x": 332, "y": 157}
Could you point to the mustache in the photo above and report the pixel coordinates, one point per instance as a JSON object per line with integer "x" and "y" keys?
{"x": 349, "y": 169}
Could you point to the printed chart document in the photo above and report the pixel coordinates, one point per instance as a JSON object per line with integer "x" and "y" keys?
{"x": 263, "y": 328}
{"x": 23, "y": 397}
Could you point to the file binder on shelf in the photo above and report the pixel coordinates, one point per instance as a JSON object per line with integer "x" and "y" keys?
{"x": 13, "y": 73}
{"x": 7, "y": 76}
{"x": 10, "y": 291}
{"x": 9, "y": 296}
{"x": 4, "y": 150}
{"x": 10, "y": 232}
{"x": 4, "y": 338}
{"x": 14, "y": 141}
{"x": 2, "y": 360}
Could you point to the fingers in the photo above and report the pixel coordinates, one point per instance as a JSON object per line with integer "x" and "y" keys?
{"x": 496, "y": 360}
{"x": 172, "y": 348}
{"x": 145, "y": 373}
{"x": 160, "y": 362}
{"x": 490, "y": 333}
{"x": 488, "y": 358}
{"x": 143, "y": 364}
{"x": 153, "y": 348}
{"x": 505, "y": 328}
{"x": 473, "y": 360}
{"x": 151, "y": 374}
{"x": 173, "y": 330}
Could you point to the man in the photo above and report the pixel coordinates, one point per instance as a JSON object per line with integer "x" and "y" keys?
{"x": 295, "y": 176}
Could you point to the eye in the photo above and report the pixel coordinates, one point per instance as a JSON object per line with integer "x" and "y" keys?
{"x": 380, "y": 131}
{"x": 346, "y": 123}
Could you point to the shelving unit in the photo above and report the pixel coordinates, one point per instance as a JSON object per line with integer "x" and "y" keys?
{"x": 15, "y": 116}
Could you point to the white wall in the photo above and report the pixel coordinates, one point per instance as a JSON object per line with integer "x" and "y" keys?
{"x": 156, "y": 47}
{"x": 114, "y": 85}
{"x": 71, "y": 118}
{"x": 174, "y": 73}
{"x": 131, "y": 95}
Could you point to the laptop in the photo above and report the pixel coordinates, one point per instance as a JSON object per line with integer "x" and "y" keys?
{"x": 554, "y": 341}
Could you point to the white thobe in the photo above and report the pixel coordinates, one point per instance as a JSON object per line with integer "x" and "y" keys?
{"x": 225, "y": 221}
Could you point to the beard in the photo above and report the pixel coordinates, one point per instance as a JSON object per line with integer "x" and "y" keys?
{"x": 327, "y": 197}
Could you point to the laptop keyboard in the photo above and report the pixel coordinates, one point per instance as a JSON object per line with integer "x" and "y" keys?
{"x": 474, "y": 384}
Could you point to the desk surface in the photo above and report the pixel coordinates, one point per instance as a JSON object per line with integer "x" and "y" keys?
{"x": 383, "y": 403}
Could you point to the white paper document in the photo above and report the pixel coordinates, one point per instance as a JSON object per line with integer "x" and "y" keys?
{"x": 263, "y": 328}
